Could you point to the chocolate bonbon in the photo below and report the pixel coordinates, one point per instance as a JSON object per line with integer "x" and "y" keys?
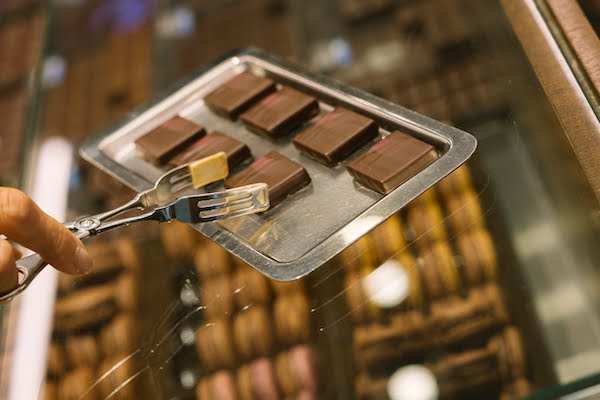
{"x": 282, "y": 175}
{"x": 236, "y": 151}
{"x": 234, "y": 96}
{"x": 170, "y": 137}
{"x": 391, "y": 162}
{"x": 280, "y": 112}
{"x": 335, "y": 136}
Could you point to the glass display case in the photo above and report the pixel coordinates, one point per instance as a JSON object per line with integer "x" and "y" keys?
{"x": 485, "y": 286}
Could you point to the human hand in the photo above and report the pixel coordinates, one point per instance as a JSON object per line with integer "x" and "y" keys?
{"x": 23, "y": 222}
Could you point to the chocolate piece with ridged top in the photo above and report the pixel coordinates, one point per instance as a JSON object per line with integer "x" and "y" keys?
{"x": 239, "y": 93}
{"x": 282, "y": 175}
{"x": 335, "y": 136}
{"x": 391, "y": 162}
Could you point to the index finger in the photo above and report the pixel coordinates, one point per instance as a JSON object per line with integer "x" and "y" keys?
{"x": 22, "y": 221}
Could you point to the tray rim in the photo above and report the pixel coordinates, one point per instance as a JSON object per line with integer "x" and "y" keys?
{"x": 461, "y": 145}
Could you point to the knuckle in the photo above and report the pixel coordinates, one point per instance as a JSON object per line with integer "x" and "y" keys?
{"x": 15, "y": 207}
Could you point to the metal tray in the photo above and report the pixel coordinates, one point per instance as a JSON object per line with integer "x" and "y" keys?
{"x": 316, "y": 223}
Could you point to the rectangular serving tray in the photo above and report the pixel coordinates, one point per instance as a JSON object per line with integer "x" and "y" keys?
{"x": 316, "y": 223}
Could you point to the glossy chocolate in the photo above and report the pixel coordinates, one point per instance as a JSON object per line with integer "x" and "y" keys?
{"x": 391, "y": 162}
{"x": 282, "y": 175}
{"x": 280, "y": 112}
{"x": 335, "y": 136}
{"x": 168, "y": 139}
{"x": 235, "y": 96}
{"x": 235, "y": 150}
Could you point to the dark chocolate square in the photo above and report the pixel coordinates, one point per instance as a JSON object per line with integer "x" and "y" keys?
{"x": 335, "y": 136}
{"x": 239, "y": 93}
{"x": 391, "y": 162}
{"x": 282, "y": 175}
{"x": 215, "y": 142}
{"x": 166, "y": 140}
{"x": 280, "y": 112}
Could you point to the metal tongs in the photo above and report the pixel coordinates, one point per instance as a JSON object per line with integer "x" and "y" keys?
{"x": 169, "y": 203}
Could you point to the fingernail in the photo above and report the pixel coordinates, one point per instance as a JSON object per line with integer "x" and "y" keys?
{"x": 83, "y": 261}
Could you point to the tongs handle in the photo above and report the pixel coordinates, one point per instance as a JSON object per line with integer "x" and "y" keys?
{"x": 28, "y": 268}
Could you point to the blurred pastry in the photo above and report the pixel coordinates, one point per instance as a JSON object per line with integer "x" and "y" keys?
{"x": 282, "y": 288}
{"x": 466, "y": 372}
{"x": 82, "y": 350}
{"x": 256, "y": 381}
{"x": 210, "y": 259}
{"x": 517, "y": 389}
{"x": 464, "y": 211}
{"x": 253, "y": 332}
{"x": 250, "y": 287}
{"x": 127, "y": 291}
{"x": 358, "y": 255}
{"x": 216, "y": 297}
{"x": 478, "y": 256}
{"x": 457, "y": 320}
{"x": 118, "y": 377}
{"x": 296, "y": 371}
{"x": 403, "y": 339}
{"x": 220, "y": 385}
{"x": 458, "y": 181}
{"x": 388, "y": 238}
{"x": 426, "y": 223}
{"x": 85, "y": 308}
{"x": 179, "y": 240}
{"x": 440, "y": 275}
{"x": 214, "y": 343}
{"x": 119, "y": 335}
{"x": 77, "y": 384}
{"x": 508, "y": 348}
{"x": 49, "y": 390}
{"x": 292, "y": 318}
{"x": 56, "y": 359}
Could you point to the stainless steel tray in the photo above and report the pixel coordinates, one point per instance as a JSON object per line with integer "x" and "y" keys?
{"x": 316, "y": 223}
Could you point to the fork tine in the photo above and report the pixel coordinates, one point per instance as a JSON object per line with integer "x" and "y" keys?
{"x": 239, "y": 208}
{"x": 179, "y": 176}
{"x": 178, "y": 187}
{"x": 230, "y": 201}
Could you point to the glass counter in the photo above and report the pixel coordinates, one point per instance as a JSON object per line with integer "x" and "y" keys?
{"x": 486, "y": 286}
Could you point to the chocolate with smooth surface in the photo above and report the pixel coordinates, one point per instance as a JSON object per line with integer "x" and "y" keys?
{"x": 335, "y": 136}
{"x": 280, "y": 112}
{"x": 391, "y": 162}
{"x": 213, "y": 143}
{"x": 282, "y": 175}
{"x": 240, "y": 92}
{"x": 166, "y": 140}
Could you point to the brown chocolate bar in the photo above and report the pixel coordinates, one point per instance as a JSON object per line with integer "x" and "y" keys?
{"x": 166, "y": 140}
{"x": 282, "y": 175}
{"x": 335, "y": 136}
{"x": 235, "y": 150}
{"x": 239, "y": 93}
{"x": 280, "y": 112}
{"x": 391, "y": 162}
